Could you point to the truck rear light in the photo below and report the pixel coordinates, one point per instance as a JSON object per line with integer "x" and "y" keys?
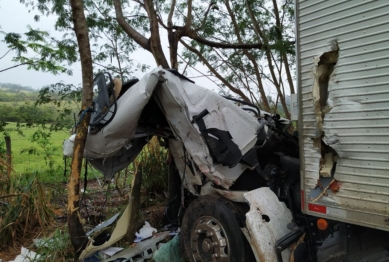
{"x": 317, "y": 208}
{"x": 322, "y": 224}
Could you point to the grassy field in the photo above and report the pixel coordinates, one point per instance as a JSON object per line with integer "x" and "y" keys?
{"x": 45, "y": 152}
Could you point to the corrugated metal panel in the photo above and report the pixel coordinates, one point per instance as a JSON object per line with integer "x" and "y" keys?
{"x": 358, "y": 98}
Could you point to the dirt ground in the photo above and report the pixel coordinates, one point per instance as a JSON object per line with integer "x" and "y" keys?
{"x": 97, "y": 205}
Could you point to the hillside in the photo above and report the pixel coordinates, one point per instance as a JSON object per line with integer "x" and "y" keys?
{"x": 17, "y": 104}
{"x": 15, "y": 87}
{"x": 11, "y": 93}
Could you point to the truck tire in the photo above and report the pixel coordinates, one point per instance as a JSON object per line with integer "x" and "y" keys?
{"x": 211, "y": 230}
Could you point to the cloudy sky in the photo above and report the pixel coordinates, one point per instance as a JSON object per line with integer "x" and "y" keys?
{"x": 14, "y": 17}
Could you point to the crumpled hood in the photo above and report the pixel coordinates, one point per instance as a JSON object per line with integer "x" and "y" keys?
{"x": 201, "y": 121}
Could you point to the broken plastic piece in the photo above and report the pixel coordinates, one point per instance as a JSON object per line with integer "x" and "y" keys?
{"x": 145, "y": 232}
{"x": 103, "y": 225}
{"x": 144, "y": 248}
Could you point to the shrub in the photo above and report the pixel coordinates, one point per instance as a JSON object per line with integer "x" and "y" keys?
{"x": 24, "y": 206}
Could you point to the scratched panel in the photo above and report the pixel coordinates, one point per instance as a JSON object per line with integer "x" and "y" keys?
{"x": 358, "y": 95}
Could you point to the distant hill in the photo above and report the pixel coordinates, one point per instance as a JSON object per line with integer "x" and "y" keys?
{"x": 12, "y": 93}
{"x": 15, "y": 87}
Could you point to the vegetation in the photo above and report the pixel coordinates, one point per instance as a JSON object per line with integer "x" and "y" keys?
{"x": 25, "y": 209}
{"x": 32, "y": 151}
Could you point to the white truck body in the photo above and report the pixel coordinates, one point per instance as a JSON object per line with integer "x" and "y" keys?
{"x": 343, "y": 85}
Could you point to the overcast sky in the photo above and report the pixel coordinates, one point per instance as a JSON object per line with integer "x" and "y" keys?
{"x": 14, "y": 17}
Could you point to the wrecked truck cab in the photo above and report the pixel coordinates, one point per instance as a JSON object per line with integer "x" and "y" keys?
{"x": 219, "y": 145}
{"x": 217, "y": 134}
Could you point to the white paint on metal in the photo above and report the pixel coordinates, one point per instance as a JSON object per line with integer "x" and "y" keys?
{"x": 117, "y": 143}
{"x": 233, "y": 195}
{"x": 190, "y": 179}
{"x": 181, "y": 100}
{"x": 263, "y": 202}
{"x": 121, "y": 130}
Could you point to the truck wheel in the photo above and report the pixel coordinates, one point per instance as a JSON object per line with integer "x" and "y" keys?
{"x": 210, "y": 231}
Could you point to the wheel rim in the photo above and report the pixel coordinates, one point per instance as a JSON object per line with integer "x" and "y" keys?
{"x": 209, "y": 241}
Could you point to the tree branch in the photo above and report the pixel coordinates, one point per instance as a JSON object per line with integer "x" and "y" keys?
{"x": 222, "y": 79}
{"x": 131, "y": 32}
{"x": 170, "y": 16}
{"x": 189, "y": 15}
{"x": 155, "y": 40}
{"x": 262, "y": 36}
{"x": 5, "y": 54}
{"x": 193, "y": 35}
{"x": 250, "y": 57}
{"x": 206, "y": 15}
{"x": 207, "y": 76}
{"x": 14, "y": 67}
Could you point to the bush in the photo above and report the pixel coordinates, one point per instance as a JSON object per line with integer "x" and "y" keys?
{"x": 25, "y": 208}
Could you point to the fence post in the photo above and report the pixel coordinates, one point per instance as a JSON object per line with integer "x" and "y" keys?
{"x": 9, "y": 155}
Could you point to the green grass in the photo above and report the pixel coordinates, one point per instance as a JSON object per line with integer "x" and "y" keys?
{"x": 29, "y": 163}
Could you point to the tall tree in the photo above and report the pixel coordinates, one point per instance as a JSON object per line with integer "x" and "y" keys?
{"x": 245, "y": 45}
{"x": 76, "y": 231}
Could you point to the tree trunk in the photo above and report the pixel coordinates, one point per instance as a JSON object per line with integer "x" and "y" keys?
{"x": 9, "y": 156}
{"x": 76, "y": 231}
{"x": 155, "y": 40}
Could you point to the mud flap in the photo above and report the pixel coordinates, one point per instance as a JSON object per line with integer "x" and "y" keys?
{"x": 266, "y": 222}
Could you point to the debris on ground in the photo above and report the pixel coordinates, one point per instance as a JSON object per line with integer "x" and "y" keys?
{"x": 145, "y": 232}
{"x": 169, "y": 251}
{"x": 26, "y": 256}
{"x": 142, "y": 250}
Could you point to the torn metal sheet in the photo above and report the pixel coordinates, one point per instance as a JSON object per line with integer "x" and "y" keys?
{"x": 192, "y": 177}
{"x": 266, "y": 222}
{"x": 207, "y": 189}
{"x": 320, "y": 190}
{"x": 353, "y": 120}
{"x": 118, "y": 233}
{"x": 103, "y": 225}
{"x": 145, "y": 248}
{"x": 182, "y": 101}
{"x": 233, "y": 195}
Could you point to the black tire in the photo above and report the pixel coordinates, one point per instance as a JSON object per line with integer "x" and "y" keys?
{"x": 211, "y": 226}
